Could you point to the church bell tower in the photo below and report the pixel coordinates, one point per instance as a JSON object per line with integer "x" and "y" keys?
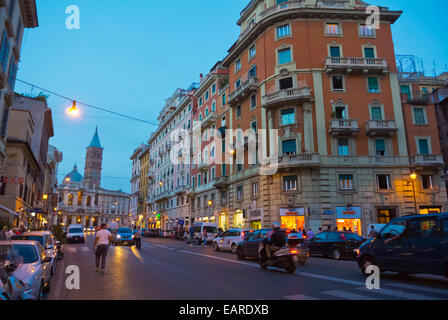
{"x": 94, "y": 162}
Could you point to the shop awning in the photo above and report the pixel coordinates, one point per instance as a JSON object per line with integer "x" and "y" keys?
{"x": 5, "y": 212}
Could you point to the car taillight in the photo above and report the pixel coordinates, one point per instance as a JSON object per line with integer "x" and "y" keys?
{"x": 243, "y": 234}
{"x": 293, "y": 251}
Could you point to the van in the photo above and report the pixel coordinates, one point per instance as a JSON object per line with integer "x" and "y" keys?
{"x": 415, "y": 244}
{"x": 212, "y": 230}
{"x": 75, "y": 233}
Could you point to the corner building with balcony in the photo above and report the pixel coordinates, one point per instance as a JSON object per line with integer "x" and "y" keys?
{"x": 329, "y": 84}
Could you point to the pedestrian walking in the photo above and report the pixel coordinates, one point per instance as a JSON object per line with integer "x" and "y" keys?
{"x": 138, "y": 238}
{"x": 373, "y": 233}
{"x": 204, "y": 237}
{"x": 310, "y": 234}
{"x": 101, "y": 245}
{"x": 4, "y": 234}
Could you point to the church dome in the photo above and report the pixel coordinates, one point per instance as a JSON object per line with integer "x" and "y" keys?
{"x": 73, "y": 177}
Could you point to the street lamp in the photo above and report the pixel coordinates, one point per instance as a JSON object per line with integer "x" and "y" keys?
{"x": 45, "y": 196}
{"x": 413, "y": 177}
{"x": 73, "y": 111}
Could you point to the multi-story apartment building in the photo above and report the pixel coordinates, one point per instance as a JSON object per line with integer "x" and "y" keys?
{"x": 15, "y": 15}
{"x": 207, "y": 201}
{"x": 169, "y": 175}
{"x": 135, "y": 184}
{"x": 81, "y": 202}
{"x": 421, "y": 122}
{"x": 336, "y": 144}
{"x": 313, "y": 71}
{"x": 142, "y": 207}
{"x": 440, "y": 99}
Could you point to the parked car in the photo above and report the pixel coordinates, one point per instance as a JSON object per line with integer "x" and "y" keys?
{"x": 11, "y": 287}
{"x": 337, "y": 244}
{"x": 229, "y": 240}
{"x": 35, "y": 271}
{"x": 47, "y": 241}
{"x": 415, "y": 244}
{"x": 212, "y": 230}
{"x": 75, "y": 233}
{"x": 122, "y": 236}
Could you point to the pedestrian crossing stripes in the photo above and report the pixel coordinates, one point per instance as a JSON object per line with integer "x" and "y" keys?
{"x": 400, "y": 294}
{"x": 347, "y": 295}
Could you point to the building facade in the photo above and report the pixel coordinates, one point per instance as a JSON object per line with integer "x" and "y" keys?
{"x": 15, "y": 16}
{"x": 85, "y": 202}
{"x": 336, "y": 146}
{"x": 135, "y": 184}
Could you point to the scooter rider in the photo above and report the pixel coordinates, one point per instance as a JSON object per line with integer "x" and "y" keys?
{"x": 277, "y": 240}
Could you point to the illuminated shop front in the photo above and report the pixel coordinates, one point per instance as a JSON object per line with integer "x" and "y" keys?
{"x": 349, "y": 219}
{"x": 293, "y": 219}
{"x": 430, "y": 210}
{"x": 255, "y": 219}
{"x": 222, "y": 221}
{"x": 239, "y": 219}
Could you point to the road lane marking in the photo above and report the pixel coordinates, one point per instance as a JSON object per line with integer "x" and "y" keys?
{"x": 347, "y": 295}
{"x": 73, "y": 250}
{"x": 323, "y": 277}
{"x": 400, "y": 294}
{"x": 219, "y": 258}
{"x": 164, "y": 247}
{"x": 300, "y": 297}
{"x": 419, "y": 288}
{"x": 85, "y": 249}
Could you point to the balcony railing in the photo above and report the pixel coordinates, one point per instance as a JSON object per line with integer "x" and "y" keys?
{"x": 334, "y": 64}
{"x": 425, "y": 160}
{"x": 381, "y": 126}
{"x": 344, "y": 126}
{"x": 285, "y": 6}
{"x": 299, "y": 160}
{"x": 333, "y": 4}
{"x": 221, "y": 182}
{"x": 251, "y": 84}
{"x": 288, "y": 95}
{"x": 209, "y": 119}
{"x": 203, "y": 166}
{"x": 417, "y": 97}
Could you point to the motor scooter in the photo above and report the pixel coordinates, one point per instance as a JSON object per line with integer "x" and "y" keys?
{"x": 282, "y": 258}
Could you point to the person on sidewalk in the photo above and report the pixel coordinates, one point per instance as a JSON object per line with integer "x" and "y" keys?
{"x": 101, "y": 245}
{"x": 310, "y": 234}
{"x": 138, "y": 238}
{"x": 204, "y": 237}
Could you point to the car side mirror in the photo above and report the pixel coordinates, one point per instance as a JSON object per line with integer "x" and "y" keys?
{"x": 47, "y": 259}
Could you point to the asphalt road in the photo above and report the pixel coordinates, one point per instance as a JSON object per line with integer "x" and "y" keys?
{"x": 171, "y": 270}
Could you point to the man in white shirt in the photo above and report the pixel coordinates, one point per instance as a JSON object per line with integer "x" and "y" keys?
{"x": 102, "y": 242}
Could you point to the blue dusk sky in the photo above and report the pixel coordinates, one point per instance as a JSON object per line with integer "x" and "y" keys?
{"x": 129, "y": 56}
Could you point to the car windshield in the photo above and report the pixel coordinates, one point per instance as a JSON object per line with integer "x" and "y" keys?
{"x": 75, "y": 230}
{"x": 124, "y": 230}
{"x": 27, "y": 252}
{"x": 39, "y": 239}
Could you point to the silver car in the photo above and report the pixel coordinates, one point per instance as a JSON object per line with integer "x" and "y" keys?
{"x": 47, "y": 241}
{"x": 11, "y": 288}
{"x": 35, "y": 271}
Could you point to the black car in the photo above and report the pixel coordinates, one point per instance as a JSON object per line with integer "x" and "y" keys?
{"x": 415, "y": 244}
{"x": 337, "y": 244}
{"x": 248, "y": 248}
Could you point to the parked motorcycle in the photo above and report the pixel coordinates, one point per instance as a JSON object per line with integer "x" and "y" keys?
{"x": 282, "y": 258}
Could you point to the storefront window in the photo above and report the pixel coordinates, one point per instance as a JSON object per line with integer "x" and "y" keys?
{"x": 255, "y": 225}
{"x": 350, "y": 225}
{"x": 238, "y": 219}
{"x": 385, "y": 215}
{"x": 292, "y": 222}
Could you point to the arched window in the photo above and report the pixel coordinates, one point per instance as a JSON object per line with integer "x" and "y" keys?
{"x": 80, "y": 198}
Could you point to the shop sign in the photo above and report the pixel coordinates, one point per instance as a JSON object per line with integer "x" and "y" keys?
{"x": 348, "y": 212}
{"x": 12, "y": 180}
{"x": 292, "y": 212}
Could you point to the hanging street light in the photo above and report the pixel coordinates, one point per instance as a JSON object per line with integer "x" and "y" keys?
{"x": 73, "y": 111}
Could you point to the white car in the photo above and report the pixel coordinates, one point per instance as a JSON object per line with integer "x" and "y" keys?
{"x": 35, "y": 271}
{"x": 75, "y": 233}
{"x": 230, "y": 239}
